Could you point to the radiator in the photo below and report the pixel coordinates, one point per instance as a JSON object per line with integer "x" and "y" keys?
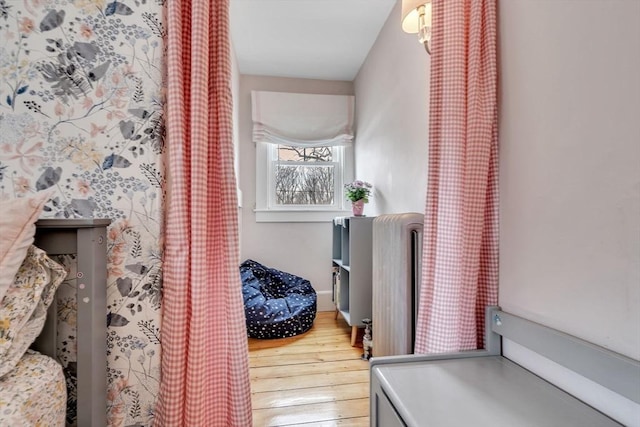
{"x": 397, "y": 255}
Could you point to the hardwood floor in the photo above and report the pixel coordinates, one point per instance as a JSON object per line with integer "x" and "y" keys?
{"x": 311, "y": 380}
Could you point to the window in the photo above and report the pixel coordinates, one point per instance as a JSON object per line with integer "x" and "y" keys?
{"x": 305, "y": 177}
{"x": 301, "y": 184}
{"x": 304, "y": 154}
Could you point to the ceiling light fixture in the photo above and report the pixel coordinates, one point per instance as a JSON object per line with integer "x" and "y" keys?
{"x": 416, "y": 18}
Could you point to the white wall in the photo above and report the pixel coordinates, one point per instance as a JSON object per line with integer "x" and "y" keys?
{"x": 235, "y": 96}
{"x": 392, "y": 120}
{"x": 303, "y": 249}
{"x": 570, "y": 167}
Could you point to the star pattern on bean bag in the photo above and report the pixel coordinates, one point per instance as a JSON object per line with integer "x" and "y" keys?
{"x": 277, "y": 304}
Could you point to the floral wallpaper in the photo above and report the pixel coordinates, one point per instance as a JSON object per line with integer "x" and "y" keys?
{"x": 81, "y": 111}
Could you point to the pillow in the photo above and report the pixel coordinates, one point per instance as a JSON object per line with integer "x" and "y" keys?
{"x": 23, "y": 309}
{"x": 17, "y": 229}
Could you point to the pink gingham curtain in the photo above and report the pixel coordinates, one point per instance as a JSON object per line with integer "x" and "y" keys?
{"x": 460, "y": 252}
{"x": 205, "y": 373}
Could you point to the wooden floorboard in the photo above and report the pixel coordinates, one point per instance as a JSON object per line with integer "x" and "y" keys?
{"x": 313, "y": 413}
{"x": 298, "y": 370}
{"x": 281, "y": 398}
{"x": 311, "y": 380}
{"x": 293, "y": 349}
{"x": 302, "y": 358}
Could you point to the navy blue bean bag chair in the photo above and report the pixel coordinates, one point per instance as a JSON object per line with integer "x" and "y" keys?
{"x": 276, "y": 304}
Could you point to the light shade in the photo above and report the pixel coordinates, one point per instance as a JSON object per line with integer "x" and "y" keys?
{"x": 410, "y": 15}
{"x": 302, "y": 119}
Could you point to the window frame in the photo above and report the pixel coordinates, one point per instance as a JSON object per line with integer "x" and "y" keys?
{"x": 266, "y": 210}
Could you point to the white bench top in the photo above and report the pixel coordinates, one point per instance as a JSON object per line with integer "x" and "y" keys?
{"x": 487, "y": 391}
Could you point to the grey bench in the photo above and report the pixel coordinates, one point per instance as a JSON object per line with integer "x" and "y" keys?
{"x": 484, "y": 388}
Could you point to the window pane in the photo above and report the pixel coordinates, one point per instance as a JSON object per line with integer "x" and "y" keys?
{"x": 304, "y": 185}
{"x": 299, "y": 154}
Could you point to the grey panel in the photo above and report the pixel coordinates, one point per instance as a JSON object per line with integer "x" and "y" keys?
{"x": 352, "y": 242}
{"x": 92, "y": 326}
{"x": 482, "y": 388}
{"x": 481, "y": 391}
{"x": 72, "y": 223}
{"x": 86, "y": 238}
{"x": 386, "y": 414}
{"x": 612, "y": 370}
{"x": 382, "y": 412}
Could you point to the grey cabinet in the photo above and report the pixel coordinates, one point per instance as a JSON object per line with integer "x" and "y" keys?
{"x": 352, "y": 270}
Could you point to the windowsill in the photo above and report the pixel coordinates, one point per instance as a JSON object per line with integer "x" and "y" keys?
{"x": 273, "y": 215}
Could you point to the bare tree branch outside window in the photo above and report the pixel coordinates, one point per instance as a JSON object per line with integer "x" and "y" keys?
{"x": 304, "y": 184}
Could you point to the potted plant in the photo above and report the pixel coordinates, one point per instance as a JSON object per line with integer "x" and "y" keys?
{"x": 358, "y": 192}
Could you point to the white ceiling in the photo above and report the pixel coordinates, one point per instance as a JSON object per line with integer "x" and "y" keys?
{"x": 313, "y": 39}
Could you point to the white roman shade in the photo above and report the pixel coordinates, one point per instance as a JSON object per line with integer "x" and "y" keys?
{"x": 302, "y": 120}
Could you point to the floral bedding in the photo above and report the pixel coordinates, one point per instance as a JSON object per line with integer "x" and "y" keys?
{"x": 23, "y": 309}
{"x": 33, "y": 393}
{"x": 32, "y": 386}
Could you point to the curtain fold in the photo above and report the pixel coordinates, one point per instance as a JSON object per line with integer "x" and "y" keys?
{"x": 460, "y": 246}
{"x": 204, "y": 368}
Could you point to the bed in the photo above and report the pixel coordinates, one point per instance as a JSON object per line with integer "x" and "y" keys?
{"x": 33, "y": 389}
{"x": 32, "y": 385}
{"x": 33, "y": 393}
{"x": 485, "y": 388}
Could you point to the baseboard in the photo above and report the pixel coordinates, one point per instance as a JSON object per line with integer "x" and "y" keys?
{"x": 325, "y": 301}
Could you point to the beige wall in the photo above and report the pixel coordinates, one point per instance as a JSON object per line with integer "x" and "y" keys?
{"x": 392, "y": 120}
{"x": 570, "y": 167}
{"x": 570, "y": 170}
{"x": 235, "y": 90}
{"x": 303, "y": 249}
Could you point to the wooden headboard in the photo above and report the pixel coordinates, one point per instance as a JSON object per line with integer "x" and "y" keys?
{"x": 87, "y": 239}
